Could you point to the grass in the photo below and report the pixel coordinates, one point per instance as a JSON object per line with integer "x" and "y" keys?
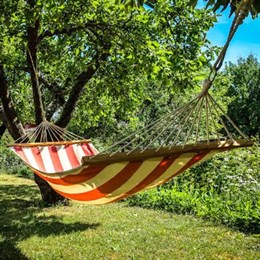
{"x": 28, "y": 231}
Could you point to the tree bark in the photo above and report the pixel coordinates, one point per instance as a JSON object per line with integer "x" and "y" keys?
{"x": 15, "y": 128}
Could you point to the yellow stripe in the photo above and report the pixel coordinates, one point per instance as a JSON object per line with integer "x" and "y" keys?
{"x": 60, "y": 175}
{"x": 105, "y": 175}
{"x": 176, "y": 166}
{"x": 180, "y": 162}
{"x": 142, "y": 173}
{"x": 146, "y": 168}
{"x": 171, "y": 172}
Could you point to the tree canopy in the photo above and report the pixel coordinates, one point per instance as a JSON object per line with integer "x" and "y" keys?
{"x": 53, "y": 54}
{"x": 244, "y": 91}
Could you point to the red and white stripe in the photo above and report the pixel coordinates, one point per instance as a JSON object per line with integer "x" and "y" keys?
{"x": 55, "y": 158}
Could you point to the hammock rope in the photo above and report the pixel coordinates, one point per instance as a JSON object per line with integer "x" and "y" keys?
{"x": 154, "y": 125}
{"x": 47, "y": 132}
{"x": 241, "y": 13}
{"x": 191, "y": 123}
{"x": 178, "y": 128}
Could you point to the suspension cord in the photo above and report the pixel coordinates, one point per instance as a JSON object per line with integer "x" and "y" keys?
{"x": 38, "y": 89}
{"x": 241, "y": 13}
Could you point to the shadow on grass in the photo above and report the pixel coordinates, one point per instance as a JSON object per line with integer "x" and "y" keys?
{"x": 19, "y": 220}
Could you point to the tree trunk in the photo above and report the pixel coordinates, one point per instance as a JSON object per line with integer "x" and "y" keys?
{"x": 49, "y": 196}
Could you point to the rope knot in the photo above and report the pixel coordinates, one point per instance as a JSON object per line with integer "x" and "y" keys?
{"x": 205, "y": 87}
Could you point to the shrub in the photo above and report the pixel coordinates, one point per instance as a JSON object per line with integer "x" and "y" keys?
{"x": 9, "y": 163}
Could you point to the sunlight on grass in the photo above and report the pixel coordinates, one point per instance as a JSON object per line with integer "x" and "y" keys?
{"x": 114, "y": 231}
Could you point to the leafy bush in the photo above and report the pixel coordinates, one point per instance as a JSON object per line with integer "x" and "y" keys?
{"x": 224, "y": 189}
{"x": 9, "y": 163}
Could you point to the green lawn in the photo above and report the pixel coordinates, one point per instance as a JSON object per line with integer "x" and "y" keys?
{"x": 28, "y": 231}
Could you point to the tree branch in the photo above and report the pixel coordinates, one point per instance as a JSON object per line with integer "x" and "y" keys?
{"x": 77, "y": 89}
{"x": 70, "y": 30}
{"x": 75, "y": 93}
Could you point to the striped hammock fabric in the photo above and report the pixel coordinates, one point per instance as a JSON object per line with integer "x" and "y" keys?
{"x": 78, "y": 172}
{"x": 56, "y": 157}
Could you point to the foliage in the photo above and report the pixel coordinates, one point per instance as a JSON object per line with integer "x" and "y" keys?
{"x": 9, "y": 163}
{"x": 225, "y": 189}
{"x": 244, "y": 91}
{"x": 123, "y": 49}
{"x": 107, "y": 232}
{"x": 118, "y": 94}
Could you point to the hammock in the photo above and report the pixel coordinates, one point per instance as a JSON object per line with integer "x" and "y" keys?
{"x": 151, "y": 156}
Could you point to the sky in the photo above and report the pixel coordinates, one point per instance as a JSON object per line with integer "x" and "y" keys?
{"x": 246, "y": 40}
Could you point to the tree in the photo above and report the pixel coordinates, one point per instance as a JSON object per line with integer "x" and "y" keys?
{"x": 244, "y": 88}
{"x": 56, "y": 54}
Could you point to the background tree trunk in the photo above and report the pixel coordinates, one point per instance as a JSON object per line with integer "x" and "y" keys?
{"x": 49, "y": 195}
